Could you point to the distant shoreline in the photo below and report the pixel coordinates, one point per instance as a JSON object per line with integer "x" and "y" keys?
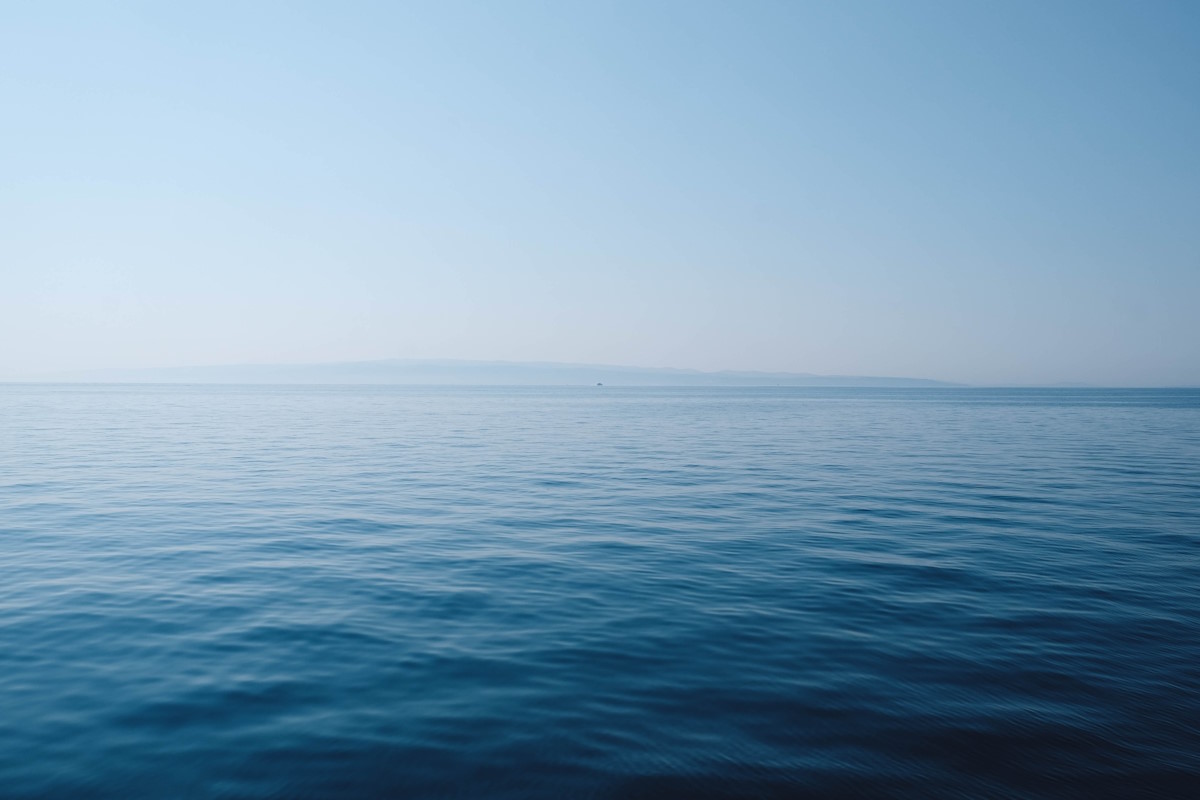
{"x": 476, "y": 373}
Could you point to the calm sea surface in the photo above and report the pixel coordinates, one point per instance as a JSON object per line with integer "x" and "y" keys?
{"x": 598, "y": 592}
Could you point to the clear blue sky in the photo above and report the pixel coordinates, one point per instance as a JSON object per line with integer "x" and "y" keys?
{"x": 1004, "y": 192}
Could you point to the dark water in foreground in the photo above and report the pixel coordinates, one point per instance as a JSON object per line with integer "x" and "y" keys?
{"x": 246, "y": 592}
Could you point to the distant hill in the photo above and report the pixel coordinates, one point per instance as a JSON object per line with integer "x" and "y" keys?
{"x": 493, "y": 373}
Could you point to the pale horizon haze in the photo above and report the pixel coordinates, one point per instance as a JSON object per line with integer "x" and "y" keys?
{"x": 985, "y": 193}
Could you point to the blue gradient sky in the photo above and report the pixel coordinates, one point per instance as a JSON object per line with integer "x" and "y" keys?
{"x": 991, "y": 193}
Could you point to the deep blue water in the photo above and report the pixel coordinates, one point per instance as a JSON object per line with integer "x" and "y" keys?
{"x": 600, "y": 592}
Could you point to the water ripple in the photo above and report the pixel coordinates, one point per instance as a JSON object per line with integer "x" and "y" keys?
{"x": 373, "y": 591}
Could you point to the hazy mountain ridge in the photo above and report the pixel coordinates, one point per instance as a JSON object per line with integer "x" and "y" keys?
{"x": 495, "y": 373}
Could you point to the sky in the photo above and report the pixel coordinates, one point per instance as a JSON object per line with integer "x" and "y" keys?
{"x": 990, "y": 193}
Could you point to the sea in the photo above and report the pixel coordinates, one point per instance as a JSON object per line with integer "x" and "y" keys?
{"x": 598, "y": 592}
